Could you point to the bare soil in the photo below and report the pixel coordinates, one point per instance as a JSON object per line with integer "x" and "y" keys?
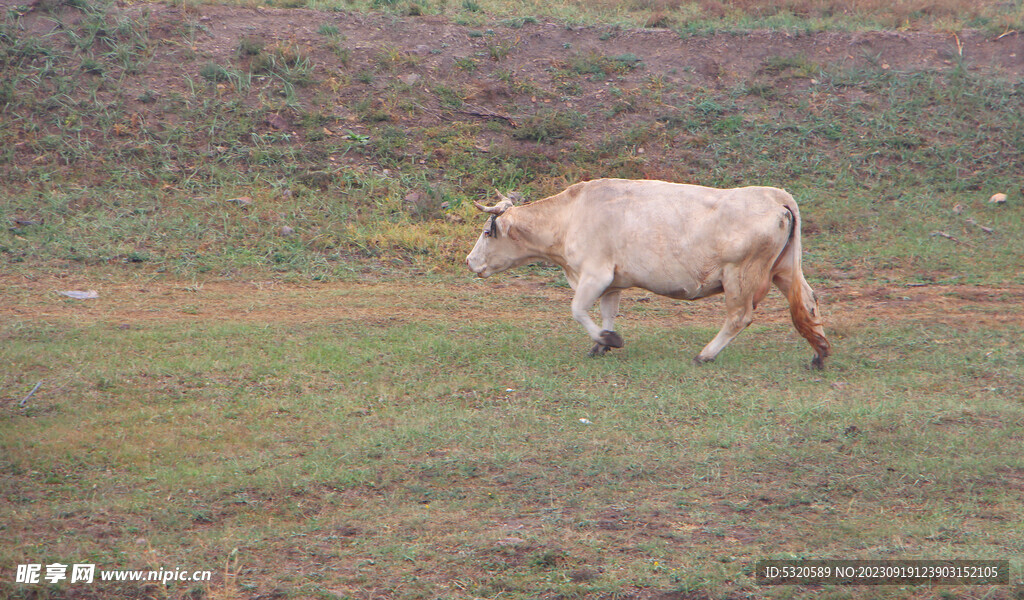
{"x": 124, "y": 304}
{"x": 439, "y": 44}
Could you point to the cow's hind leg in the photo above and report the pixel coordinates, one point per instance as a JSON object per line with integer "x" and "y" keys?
{"x": 609, "y": 310}
{"x": 803, "y": 307}
{"x": 739, "y": 305}
{"x": 588, "y": 290}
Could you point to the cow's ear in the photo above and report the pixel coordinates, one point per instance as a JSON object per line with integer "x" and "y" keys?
{"x": 505, "y": 228}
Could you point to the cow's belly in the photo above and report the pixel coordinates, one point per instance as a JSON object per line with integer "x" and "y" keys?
{"x": 680, "y": 286}
{"x": 703, "y": 291}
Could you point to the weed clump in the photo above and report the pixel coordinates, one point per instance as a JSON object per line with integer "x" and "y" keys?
{"x": 599, "y": 66}
{"x": 286, "y": 62}
{"x": 250, "y": 46}
{"x": 214, "y": 73}
{"x": 549, "y": 125}
{"x": 794, "y": 66}
{"x": 328, "y": 30}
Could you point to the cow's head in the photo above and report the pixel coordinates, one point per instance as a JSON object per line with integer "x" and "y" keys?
{"x": 497, "y": 248}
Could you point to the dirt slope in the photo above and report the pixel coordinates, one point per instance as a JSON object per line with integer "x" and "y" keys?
{"x": 715, "y": 60}
{"x": 509, "y": 70}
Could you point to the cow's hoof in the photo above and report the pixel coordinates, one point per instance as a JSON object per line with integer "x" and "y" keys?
{"x": 697, "y": 360}
{"x": 598, "y": 350}
{"x": 818, "y": 362}
{"x": 611, "y": 339}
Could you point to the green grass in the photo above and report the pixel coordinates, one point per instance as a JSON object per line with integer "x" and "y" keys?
{"x": 440, "y": 456}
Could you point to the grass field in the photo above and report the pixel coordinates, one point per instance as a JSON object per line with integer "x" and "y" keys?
{"x": 411, "y": 441}
{"x": 288, "y": 378}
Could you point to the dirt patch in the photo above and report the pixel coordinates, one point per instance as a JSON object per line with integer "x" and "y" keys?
{"x": 436, "y": 44}
{"x": 123, "y": 304}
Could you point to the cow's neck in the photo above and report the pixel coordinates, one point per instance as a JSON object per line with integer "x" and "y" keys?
{"x": 541, "y": 227}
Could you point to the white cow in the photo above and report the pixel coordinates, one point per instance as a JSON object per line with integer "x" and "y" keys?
{"x": 681, "y": 241}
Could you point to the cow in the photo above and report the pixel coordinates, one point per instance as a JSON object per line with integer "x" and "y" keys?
{"x": 676, "y": 240}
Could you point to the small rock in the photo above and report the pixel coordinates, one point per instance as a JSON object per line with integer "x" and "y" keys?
{"x": 287, "y": 231}
{"x": 241, "y": 201}
{"x": 997, "y": 199}
{"x": 80, "y": 295}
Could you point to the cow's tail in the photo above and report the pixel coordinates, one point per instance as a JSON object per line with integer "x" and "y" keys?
{"x": 802, "y": 304}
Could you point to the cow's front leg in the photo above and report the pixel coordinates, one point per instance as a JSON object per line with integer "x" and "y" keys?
{"x": 609, "y": 310}
{"x": 588, "y": 290}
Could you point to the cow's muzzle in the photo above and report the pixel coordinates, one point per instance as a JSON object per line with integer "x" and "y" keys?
{"x": 480, "y": 270}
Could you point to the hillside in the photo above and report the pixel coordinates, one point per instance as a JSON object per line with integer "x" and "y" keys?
{"x": 355, "y": 140}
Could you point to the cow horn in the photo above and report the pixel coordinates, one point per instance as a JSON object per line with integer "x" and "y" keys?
{"x": 497, "y": 209}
